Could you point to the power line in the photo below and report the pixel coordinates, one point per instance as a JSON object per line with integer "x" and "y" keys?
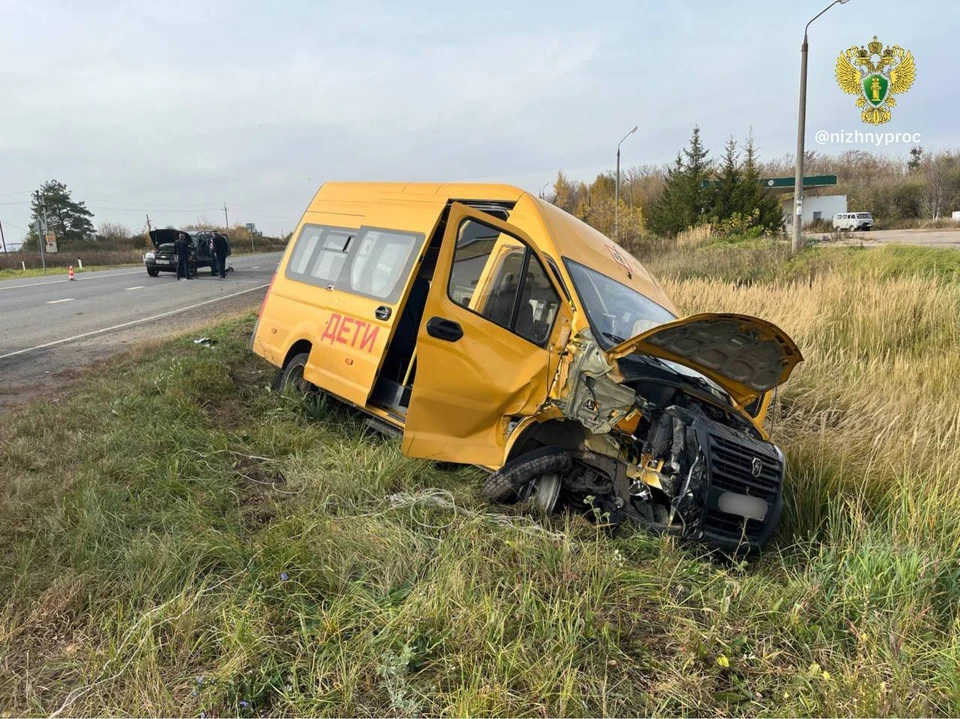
{"x": 105, "y": 208}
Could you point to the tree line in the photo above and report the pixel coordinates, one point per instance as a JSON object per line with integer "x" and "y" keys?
{"x": 917, "y": 189}
{"x": 71, "y": 221}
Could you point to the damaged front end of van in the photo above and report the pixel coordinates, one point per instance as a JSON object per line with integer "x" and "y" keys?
{"x": 664, "y": 429}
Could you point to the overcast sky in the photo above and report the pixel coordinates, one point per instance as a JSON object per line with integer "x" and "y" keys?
{"x": 174, "y": 108}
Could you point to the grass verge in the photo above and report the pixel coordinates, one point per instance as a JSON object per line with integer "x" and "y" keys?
{"x": 176, "y": 539}
{"x": 52, "y": 270}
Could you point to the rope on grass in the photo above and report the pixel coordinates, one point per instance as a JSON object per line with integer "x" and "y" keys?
{"x": 444, "y": 500}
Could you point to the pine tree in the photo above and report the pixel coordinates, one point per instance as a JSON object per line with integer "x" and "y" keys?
{"x": 67, "y": 218}
{"x": 753, "y": 195}
{"x": 727, "y": 193}
{"x": 698, "y": 170}
{"x": 686, "y": 199}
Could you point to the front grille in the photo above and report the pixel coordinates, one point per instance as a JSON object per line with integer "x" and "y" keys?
{"x": 731, "y": 469}
{"x": 731, "y": 465}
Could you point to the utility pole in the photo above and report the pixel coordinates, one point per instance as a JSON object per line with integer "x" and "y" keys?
{"x": 226, "y": 222}
{"x": 41, "y": 231}
{"x": 2, "y": 239}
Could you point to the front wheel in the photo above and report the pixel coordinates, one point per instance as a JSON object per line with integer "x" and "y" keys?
{"x": 536, "y": 475}
{"x": 290, "y": 381}
{"x": 153, "y": 273}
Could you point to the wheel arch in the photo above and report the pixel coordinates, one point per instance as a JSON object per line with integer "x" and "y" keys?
{"x": 563, "y": 433}
{"x": 296, "y": 348}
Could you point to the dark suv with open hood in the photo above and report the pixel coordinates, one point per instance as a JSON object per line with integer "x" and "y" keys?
{"x": 163, "y": 258}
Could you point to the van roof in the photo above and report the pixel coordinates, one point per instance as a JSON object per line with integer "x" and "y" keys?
{"x": 567, "y": 236}
{"x": 371, "y": 191}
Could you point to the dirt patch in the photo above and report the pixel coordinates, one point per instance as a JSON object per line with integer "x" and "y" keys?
{"x": 261, "y": 490}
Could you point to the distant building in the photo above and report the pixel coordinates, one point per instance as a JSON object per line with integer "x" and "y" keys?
{"x": 815, "y": 207}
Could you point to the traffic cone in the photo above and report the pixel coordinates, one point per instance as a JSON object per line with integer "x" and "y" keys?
{"x": 70, "y": 273}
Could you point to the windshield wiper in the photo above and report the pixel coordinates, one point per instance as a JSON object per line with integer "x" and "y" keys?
{"x": 616, "y": 339}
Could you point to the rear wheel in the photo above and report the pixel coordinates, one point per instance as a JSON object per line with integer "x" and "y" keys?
{"x": 290, "y": 381}
{"x": 153, "y": 273}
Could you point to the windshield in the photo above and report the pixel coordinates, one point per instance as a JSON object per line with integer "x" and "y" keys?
{"x": 864, "y": 216}
{"x": 616, "y": 312}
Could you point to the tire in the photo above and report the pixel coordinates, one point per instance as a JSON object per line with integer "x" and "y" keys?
{"x": 507, "y": 480}
{"x": 153, "y": 273}
{"x": 291, "y": 381}
{"x": 193, "y": 269}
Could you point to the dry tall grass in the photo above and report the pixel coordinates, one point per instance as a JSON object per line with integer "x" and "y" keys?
{"x": 695, "y": 236}
{"x": 879, "y": 393}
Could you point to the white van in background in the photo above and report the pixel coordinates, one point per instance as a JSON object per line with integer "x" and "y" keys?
{"x": 853, "y": 221}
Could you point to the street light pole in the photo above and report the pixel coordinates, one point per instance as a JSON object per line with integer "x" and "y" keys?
{"x": 542, "y": 197}
{"x": 797, "y": 243}
{"x": 616, "y": 210}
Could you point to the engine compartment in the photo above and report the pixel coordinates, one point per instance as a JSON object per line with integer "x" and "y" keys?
{"x": 670, "y": 451}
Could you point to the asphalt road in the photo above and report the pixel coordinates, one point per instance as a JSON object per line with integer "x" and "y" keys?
{"x": 927, "y": 238}
{"x": 51, "y": 326}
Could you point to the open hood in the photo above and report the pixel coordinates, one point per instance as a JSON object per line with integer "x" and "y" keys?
{"x": 744, "y": 355}
{"x": 164, "y": 237}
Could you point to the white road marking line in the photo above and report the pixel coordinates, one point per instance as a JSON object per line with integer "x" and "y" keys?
{"x": 91, "y": 276}
{"x": 138, "y": 287}
{"x": 255, "y": 267}
{"x": 56, "y": 302}
{"x": 131, "y": 324}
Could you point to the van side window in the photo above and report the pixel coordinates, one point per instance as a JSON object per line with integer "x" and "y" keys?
{"x": 306, "y": 244}
{"x": 538, "y": 304}
{"x": 380, "y": 262}
{"x": 499, "y": 278}
{"x": 332, "y": 255}
{"x": 318, "y": 254}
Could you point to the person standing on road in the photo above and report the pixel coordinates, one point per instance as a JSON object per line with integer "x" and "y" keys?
{"x": 220, "y": 252}
{"x": 211, "y": 250}
{"x": 182, "y": 250}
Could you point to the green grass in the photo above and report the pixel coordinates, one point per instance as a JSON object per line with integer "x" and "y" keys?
{"x": 51, "y": 270}
{"x": 177, "y": 539}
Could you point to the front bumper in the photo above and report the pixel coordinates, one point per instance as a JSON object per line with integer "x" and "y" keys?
{"x": 160, "y": 264}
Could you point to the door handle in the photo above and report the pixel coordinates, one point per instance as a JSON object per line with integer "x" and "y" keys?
{"x": 382, "y": 312}
{"x": 442, "y": 329}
